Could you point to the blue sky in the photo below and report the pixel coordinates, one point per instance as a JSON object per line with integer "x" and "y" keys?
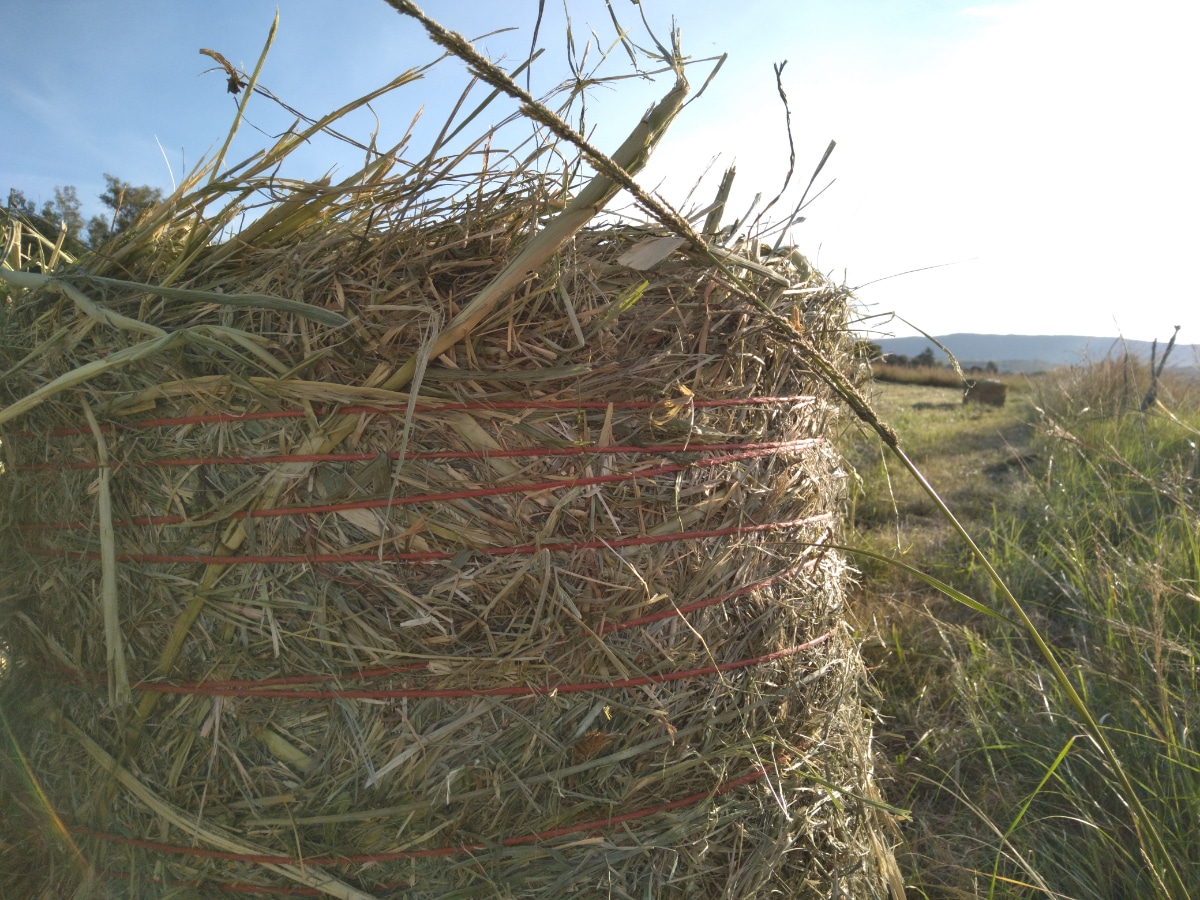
{"x": 1044, "y": 148}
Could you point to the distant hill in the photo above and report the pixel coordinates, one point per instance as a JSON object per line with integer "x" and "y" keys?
{"x": 1032, "y": 353}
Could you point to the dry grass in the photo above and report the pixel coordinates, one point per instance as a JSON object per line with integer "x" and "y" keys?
{"x": 1086, "y": 506}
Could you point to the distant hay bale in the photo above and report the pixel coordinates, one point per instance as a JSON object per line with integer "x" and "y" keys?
{"x": 559, "y": 611}
{"x": 986, "y": 391}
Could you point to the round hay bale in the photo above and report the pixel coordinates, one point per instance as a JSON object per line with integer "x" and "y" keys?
{"x": 560, "y": 616}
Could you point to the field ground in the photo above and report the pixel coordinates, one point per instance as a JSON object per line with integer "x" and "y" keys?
{"x": 978, "y": 459}
{"x": 971, "y": 454}
{"x": 1089, "y": 513}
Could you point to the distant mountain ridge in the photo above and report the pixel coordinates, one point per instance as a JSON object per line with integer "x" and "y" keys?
{"x": 1031, "y": 353}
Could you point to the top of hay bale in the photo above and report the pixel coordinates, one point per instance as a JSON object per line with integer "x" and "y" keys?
{"x": 426, "y": 535}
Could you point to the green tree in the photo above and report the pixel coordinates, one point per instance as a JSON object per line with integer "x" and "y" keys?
{"x": 65, "y": 208}
{"x": 924, "y": 358}
{"x": 127, "y": 204}
{"x": 19, "y": 205}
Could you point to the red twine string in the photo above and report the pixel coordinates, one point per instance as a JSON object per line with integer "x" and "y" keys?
{"x": 708, "y": 601}
{"x": 401, "y": 408}
{"x": 413, "y": 668}
{"x": 549, "y": 834}
{"x": 511, "y": 690}
{"x": 519, "y": 452}
{"x": 433, "y": 555}
{"x": 746, "y": 451}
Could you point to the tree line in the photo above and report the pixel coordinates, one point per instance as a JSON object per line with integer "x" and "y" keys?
{"x": 926, "y": 359}
{"x": 125, "y": 203}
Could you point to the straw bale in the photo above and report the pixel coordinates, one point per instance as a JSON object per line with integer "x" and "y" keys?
{"x": 986, "y": 391}
{"x": 563, "y": 614}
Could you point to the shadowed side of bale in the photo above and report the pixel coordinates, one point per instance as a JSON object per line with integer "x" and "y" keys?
{"x": 987, "y": 392}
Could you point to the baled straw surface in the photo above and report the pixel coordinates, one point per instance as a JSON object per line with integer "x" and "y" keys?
{"x": 560, "y": 615}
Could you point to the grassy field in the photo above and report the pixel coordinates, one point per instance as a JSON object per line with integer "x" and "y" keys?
{"x": 1088, "y": 509}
